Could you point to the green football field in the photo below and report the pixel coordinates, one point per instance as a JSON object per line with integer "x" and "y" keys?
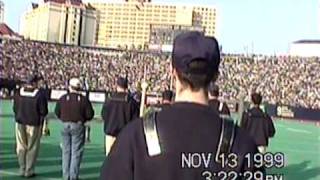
{"x": 300, "y": 142}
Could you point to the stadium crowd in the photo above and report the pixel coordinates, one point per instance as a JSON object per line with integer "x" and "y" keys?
{"x": 285, "y": 80}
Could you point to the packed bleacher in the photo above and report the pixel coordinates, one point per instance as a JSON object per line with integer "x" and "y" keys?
{"x": 282, "y": 80}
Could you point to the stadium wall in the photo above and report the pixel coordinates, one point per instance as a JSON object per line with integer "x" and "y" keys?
{"x": 279, "y": 111}
{"x": 297, "y": 113}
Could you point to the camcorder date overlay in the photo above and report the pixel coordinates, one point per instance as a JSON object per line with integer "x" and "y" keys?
{"x": 233, "y": 175}
{"x": 231, "y": 161}
{"x": 228, "y": 160}
{"x": 267, "y": 160}
{"x": 257, "y": 160}
{"x": 196, "y": 160}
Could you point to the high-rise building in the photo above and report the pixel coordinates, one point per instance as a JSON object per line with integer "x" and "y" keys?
{"x": 318, "y": 16}
{"x": 1, "y": 12}
{"x": 135, "y": 23}
{"x": 60, "y": 21}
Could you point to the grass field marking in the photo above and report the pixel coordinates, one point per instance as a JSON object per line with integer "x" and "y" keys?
{"x": 16, "y": 174}
{"x": 286, "y": 150}
{"x": 302, "y": 142}
{"x": 280, "y": 125}
{"x": 299, "y": 130}
{"x": 8, "y": 173}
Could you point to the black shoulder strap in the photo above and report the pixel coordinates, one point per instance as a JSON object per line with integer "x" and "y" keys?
{"x": 226, "y": 137}
{"x": 151, "y": 134}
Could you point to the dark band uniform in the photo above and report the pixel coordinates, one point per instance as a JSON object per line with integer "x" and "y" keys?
{"x": 117, "y": 112}
{"x": 220, "y": 107}
{"x": 259, "y": 125}
{"x": 74, "y": 107}
{"x": 30, "y": 107}
{"x": 130, "y": 158}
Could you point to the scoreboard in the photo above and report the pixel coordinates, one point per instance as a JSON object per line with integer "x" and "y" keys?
{"x": 162, "y": 36}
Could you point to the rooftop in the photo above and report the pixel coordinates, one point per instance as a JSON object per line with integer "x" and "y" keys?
{"x": 73, "y": 2}
{"x": 306, "y": 41}
{"x": 5, "y": 30}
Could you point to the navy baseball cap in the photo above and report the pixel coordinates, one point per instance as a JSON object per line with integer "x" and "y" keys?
{"x": 194, "y": 46}
{"x": 122, "y": 82}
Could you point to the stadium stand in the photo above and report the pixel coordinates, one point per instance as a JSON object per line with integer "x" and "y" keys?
{"x": 293, "y": 81}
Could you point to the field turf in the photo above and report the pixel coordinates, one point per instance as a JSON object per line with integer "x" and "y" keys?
{"x": 300, "y": 142}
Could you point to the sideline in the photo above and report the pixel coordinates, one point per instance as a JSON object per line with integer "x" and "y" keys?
{"x": 16, "y": 174}
{"x": 299, "y": 130}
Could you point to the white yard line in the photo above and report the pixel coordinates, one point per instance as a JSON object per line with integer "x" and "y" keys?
{"x": 8, "y": 173}
{"x": 280, "y": 125}
{"x": 305, "y": 151}
{"x": 299, "y": 130}
{"x": 16, "y": 174}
